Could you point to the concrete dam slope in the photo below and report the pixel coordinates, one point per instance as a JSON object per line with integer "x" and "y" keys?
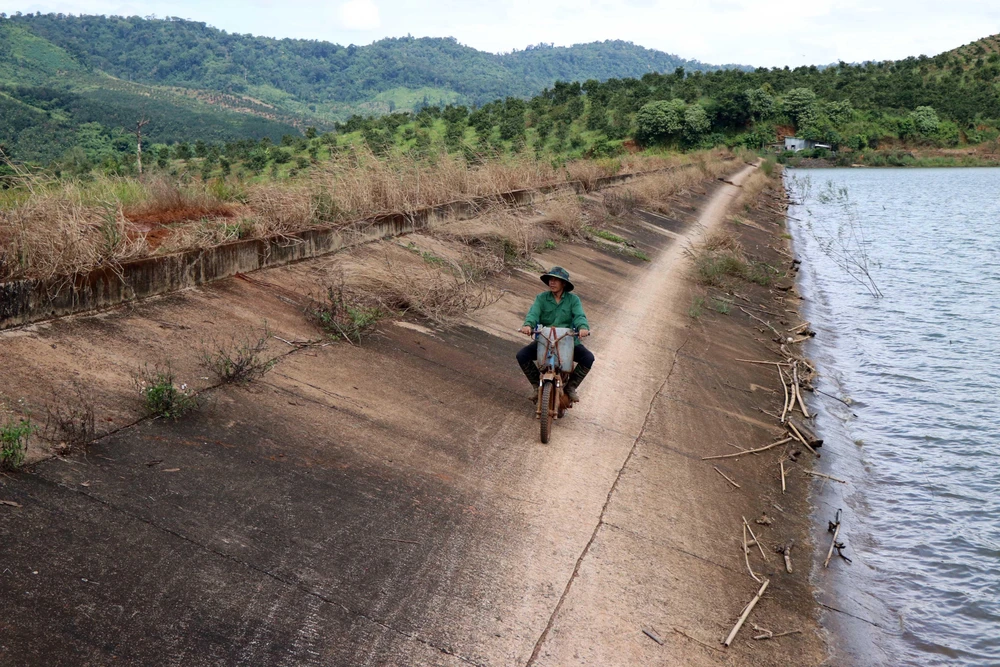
{"x": 389, "y": 503}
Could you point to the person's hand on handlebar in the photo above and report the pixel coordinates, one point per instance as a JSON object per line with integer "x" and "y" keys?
{"x": 526, "y": 330}
{"x": 583, "y": 333}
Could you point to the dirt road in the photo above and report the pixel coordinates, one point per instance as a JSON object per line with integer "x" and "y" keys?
{"x": 389, "y": 504}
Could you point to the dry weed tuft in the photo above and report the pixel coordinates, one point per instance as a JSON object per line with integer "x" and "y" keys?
{"x": 620, "y": 202}
{"x": 426, "y": 291}
{"x": 751, "y": 190}
{"x": 723, "y": 241}
{"x": 588, "y": 172}
{"x": 565, "y": 215}
{"x": 721, "y": 259}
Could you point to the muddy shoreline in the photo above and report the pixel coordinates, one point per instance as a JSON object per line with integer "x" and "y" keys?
{"x": 388, "y": 503}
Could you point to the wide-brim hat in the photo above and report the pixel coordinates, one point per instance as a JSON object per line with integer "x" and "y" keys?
{"x": 560, "y": 273}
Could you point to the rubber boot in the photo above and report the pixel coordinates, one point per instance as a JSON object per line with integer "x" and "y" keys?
{"x": 534, "y": 377}
{"x": 579, "y": 373}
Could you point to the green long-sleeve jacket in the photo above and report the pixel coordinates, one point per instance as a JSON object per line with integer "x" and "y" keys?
{"x": 568, "y": 313}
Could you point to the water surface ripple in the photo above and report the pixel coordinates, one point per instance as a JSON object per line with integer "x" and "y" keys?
{"x": 920, "y": 441}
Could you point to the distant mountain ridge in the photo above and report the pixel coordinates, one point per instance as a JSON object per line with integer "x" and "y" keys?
{"x": 329, "y": 77}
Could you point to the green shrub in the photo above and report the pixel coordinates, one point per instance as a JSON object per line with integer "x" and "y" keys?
{"x": 161, "y": 396}
{"x": 14, "y": 443}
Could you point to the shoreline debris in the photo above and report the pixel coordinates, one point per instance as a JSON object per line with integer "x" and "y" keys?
{"x": 746, "y": 613}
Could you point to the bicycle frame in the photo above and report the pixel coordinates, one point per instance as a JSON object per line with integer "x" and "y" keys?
{"x": 551, "y": 371}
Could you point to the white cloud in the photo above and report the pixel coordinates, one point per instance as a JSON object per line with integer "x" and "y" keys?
{"x": 360, "y": 15}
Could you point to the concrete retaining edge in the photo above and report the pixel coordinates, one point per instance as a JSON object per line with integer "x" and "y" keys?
{"x": 29, "y": 301}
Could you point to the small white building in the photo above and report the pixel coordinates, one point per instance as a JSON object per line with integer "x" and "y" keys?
{"x": 796, "y": 144}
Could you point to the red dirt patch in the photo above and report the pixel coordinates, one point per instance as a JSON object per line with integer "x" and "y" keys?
{"x": 153, "y": 222}
{"x": 153, "y": 217}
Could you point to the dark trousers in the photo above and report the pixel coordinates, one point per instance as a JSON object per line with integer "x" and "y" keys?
{"x": 581, "y": 355}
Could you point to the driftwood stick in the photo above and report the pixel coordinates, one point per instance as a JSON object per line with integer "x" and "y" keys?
{"x": 830, "y": 477}
{"x": 750, "y": 530}
{"x": 836, "y": 398}
{"x": 804, "y": 325}
{"x": 746, "y": 555}
{"x": 795, "y": 387}
{"x": 784, "y": 388}
{"x": 714, "y": 648}
{"x": 748, "y": 451}
{"x": 798, "y": 435}
{"x": 766, "y": 363}
{"x": 772, "y": 635}
{"x": 746, "y": 612}
{"x": 727, "y": 478}
{"x": 833, "y": 542}
{"x": 781, "y": 464}
{"x": 766, "y": 324}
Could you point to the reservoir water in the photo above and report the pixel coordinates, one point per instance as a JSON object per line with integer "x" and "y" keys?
{"x": 919, "y": 443}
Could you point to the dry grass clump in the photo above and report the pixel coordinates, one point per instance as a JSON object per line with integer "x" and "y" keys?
{"x": 751, "y": 190}
{"x": 589, "y": 172}
{"x": 634, "y": 163}
{"x": 620, "y": 202}
{"x": 721, "y": 260}
{"x": 497, "y": 240}
{"x": 402, "y": 283}
{"x": 360, "y": 185}
{"x": 54, "y": 232}
{"x": 50, "y": 228}
{"x": 721, "y": 241}
{"x": 654, "y": 190}
{"x": 564, "y": 215}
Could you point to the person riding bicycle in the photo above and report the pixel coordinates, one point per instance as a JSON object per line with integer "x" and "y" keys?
{"x": 558, "y": 307}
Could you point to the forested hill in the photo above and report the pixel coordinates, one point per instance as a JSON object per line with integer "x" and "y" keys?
{"x": 191, "y": 54}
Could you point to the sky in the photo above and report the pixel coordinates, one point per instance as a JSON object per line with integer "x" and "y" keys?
{"x": 750, "y": 32}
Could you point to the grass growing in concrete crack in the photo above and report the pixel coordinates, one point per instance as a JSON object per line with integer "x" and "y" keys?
{"x": 14, "y": 443}
{"x": 241, "y": 360}
{"x": 697, "y": 307}
{"x": 625, "y": 247}
{"x": 609, "y": 236}
{"x": 161, "y": 395}
{"x": 342, "y": 318}
{"x": 634, "y": 252}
